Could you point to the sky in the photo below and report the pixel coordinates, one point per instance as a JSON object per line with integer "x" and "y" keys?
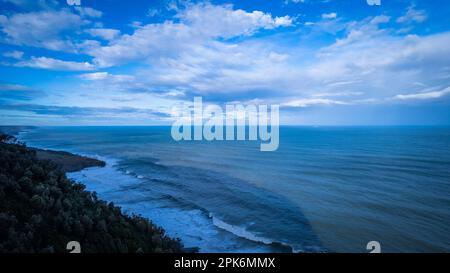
{"x": 325, "y": 62}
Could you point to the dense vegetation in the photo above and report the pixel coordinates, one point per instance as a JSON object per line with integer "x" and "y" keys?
{"x": 41, "y": 211}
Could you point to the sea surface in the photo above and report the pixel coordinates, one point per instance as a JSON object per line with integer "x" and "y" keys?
{"x": 329, "y": 189}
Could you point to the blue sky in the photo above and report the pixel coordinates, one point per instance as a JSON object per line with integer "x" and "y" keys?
{"x": 325, "y": 62}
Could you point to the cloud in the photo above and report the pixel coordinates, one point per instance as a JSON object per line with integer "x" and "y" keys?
{"x": 381, "y": 71}
{"x": 33, "y": 4}
{"x": 152, "y": 12}
{"x": 55, "y": 64}
{"x": 17, "y": 92}
{"x": 413, "y": 16}
{"x": 357, "y": 60}
{"x": 69, "y": 115}
{"x": 104, "y": 33}
{"x": 310, "y": 102}
{"x": 41, "y": 29}
{"x": 224, "y": 21}
{"x": 331, "y": 15}
{"x": 115, "y": 83}
{"x": 327, "y": 24}
{"x": 338, "y": 94}
{"x": 13, "y": 54}
{"x": 95, "y": 76}
{"x": 102, "y": 76}
{"x": 200, "y": 25}
{"x": 78, "y": 111}
{"x": 380, "y": 19}
{"x": 89, "y": 12}
{"x": 424, "y": 95}
{"x": 293, "y": 1}
{"x": 14, "y": 87}
{"x": 194, "y": 57}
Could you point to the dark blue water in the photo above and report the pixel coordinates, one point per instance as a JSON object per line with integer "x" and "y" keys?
{"x": 324, "y": 189}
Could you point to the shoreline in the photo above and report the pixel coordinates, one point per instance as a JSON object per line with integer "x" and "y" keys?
{"x": 66, "y": 161}
{"x": 146, "y": 237}
{"x": 70, "y": 163}
{"x": 99, "y": 164}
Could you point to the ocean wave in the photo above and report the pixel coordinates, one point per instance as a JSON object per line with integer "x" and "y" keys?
{"x": 181, "y": 218}
{"x": 238, "y": 231}
{"x": 242, "y": 232}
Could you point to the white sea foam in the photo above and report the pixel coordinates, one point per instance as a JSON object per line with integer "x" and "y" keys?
{"x": 193, "y": 227}
{"x": 243, "y": 232}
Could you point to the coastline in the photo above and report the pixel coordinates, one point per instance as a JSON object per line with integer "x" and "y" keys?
{"x": 107, "y": 179}
{"x": 65, "y": 162}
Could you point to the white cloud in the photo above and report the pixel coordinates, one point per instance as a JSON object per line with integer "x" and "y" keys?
{"x": 104, "y": 33}
{"x": 224, "y": 21}
{"x": 14, "y": 87}
{"x": 413, "y": 16}
{"x": 89, "y": 12}
{"x": 199, "y": 28}
{"x": 331, "y": 15}
{"x": 338, "y": 94}
{"x": 424, "y": 95}
{"x": 152, "y": 12}
{"x": 399, "y": 62}
{"x": 380, "y": 19}
{"x": 293, "y": 1}
{"x": 95, "y": 76}
{"x": 150, "y": 40}
{"x": 13, "y": 54}
{"x": 369, "y": 62}
{"x": 55, "y": 64}
{"x": 327, "y": 24}
{"x": 283, "y": 21}
{"x": 310, "y": 102}
{"x": 41, "y": 29}
{"x": 101, "y": 76}
{"x": 32, "y": 4}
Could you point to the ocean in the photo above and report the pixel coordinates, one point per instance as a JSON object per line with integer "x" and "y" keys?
{"x": 326, "y": 189}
